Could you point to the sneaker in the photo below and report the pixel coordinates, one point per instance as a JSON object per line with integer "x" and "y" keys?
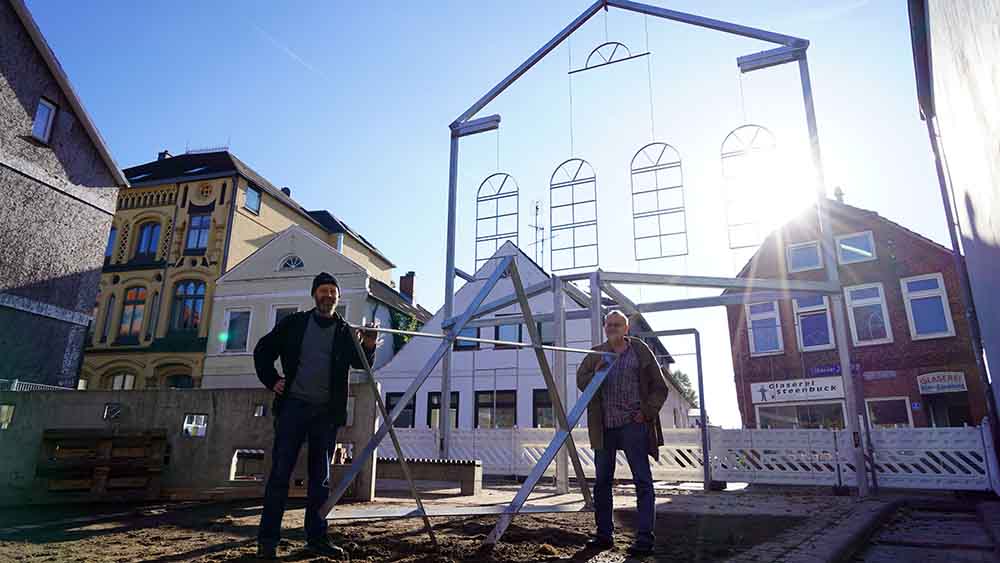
{"x": 600, "y": 542}
{"x": 266, "y": 551}
{"x": 641, "y": 547}
{"x": 323, "y": 546}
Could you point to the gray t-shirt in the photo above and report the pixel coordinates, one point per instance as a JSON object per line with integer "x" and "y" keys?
{"x": 312, "y": 380}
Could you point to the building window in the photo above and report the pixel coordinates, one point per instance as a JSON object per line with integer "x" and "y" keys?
{"x": 154, "y": 315}
{"x": 542, "y": 415}
{"x": 133, "y": 308}
{"x": 149, "y": 241}
{"x": 506, "y": 333}
{"x": 472, "y": 332}
{"x": 927, "y": 307}
{"x": 868, "y": 314}
{"x": 292, "y": 263}
{"x": 6, "y": 416}
{"x": 803, "y": 256}
{"x": 812, "y": 323}
{"x": 189, "y": 299}
{"x": 81, "y": 384}
{"x": 496, "y": 409}
{"x": 890, "y": 412}
{"x": 856, "y": 247}
{"x": 123, "y": 382}
{"x": 548, "y": 331}
{"x": 237, "y": 333}
{"x": 434, "y": 409}
{"x": 764, "y": 329}
{"x": 180, "y": 381}
{"x": 259, "y": 410}
{"x": 45, "y": 116}
{"x": 253, "y": 200}
{"x": 248, "y": 465}
{"x": 677, "y": 419}
{"x": 195, "y": 425}
{"x": 110, "y": 248}
{"x": 808, "y": 415}
{"x": 107, "y": 318}
{"x": 280, "y": 312}
{"x": 197, "y": 236}
{"x": 407, "y": 416}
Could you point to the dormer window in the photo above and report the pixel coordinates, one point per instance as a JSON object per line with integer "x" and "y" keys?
{"x": 291, "y": 263}
{"x": 45, "y": 115}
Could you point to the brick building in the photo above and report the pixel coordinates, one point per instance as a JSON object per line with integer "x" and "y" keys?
{"x": 909, "y": 339}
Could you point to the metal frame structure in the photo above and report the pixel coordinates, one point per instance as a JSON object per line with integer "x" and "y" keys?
{"x": 651, "y": 200}
{"x": 789, "y": 49}
{"x": 576, "y": 177}
{"x": 498, "y": 196}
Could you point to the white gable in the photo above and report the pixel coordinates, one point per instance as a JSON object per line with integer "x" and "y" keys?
{"x": 316, "y": 256}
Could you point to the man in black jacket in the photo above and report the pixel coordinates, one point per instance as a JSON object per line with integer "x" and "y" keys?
{"x": 310, "y": 403}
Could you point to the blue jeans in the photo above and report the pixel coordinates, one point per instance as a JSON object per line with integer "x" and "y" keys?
{"x": 297, "y": 422}
{"x": 631, "y": 439}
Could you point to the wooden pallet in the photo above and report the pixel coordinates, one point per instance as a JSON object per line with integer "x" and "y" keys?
{"x": 101, "y": 464}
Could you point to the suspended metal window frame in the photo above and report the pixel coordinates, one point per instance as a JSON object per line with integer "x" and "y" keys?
{"x": 600, "y": 56}
{"x": 573, "y": 226}
{"x": 660, "y": 192}
{"x": 496, "y": 194}
{"x": 746, "y": 150}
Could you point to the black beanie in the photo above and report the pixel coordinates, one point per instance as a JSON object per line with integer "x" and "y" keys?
{"x": 322, "y": 279}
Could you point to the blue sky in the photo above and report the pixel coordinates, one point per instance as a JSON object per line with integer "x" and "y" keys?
{"x": 348, "y": 104}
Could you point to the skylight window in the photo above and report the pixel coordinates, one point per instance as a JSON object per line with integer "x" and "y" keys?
{"x": 140, "y": 176}
{"x": 193, "y": 170}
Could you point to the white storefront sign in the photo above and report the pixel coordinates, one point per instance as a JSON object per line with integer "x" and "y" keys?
{"x": 941, "y": 382}
{"x": 812, "y": 389}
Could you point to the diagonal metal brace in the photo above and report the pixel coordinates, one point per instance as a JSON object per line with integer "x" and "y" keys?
{"x": 543, "y": 365}
{"x": 411, "y": 391}
{"x": 550, "y": 453}
{"x": 395, "y": 442}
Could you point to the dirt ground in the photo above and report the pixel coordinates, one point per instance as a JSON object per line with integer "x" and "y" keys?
{"x": 226, "y": 532}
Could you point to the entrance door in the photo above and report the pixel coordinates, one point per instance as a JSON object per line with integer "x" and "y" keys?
{"x": 949, "y": 409}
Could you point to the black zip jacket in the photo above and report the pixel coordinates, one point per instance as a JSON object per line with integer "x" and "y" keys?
{"x": 284, "y": 342}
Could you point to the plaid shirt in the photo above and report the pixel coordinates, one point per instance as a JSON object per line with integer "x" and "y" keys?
{"x": 621, "y": 394}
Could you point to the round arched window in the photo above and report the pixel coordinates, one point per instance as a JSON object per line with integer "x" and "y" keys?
{"x": 291, "y": 263}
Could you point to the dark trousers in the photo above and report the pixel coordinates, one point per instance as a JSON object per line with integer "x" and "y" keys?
{"x": 298, "y": 421}
{"x": 632, "y": 440}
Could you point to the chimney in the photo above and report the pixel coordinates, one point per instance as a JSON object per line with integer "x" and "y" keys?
{"x": 163, "y": 155}
{"x": 839, "y": 194}
{"x": 287, "y": 191}
{"x": 406, "y": 285}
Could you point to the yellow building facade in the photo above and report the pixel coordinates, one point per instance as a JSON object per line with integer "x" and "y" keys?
{"x": 185, "y": 221}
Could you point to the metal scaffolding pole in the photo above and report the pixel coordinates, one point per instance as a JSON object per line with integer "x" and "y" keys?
{"x": 851, "y": 392}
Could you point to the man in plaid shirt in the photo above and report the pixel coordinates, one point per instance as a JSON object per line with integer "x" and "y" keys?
{"x": 624, "y": 415}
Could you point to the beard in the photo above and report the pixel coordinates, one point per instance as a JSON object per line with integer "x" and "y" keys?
{"x": 326, "y": 306}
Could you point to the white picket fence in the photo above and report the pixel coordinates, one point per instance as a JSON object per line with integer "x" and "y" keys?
{"x": 918, "y": 458}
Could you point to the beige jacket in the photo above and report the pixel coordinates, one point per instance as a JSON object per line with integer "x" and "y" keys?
{"x": 653, "y": 387}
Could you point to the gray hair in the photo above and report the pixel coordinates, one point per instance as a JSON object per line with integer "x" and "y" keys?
{"x": 617, "y": 313}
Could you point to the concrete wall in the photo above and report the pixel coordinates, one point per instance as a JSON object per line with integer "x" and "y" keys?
{"x": 964, "y": 41}
{"x": 198, "y": 466}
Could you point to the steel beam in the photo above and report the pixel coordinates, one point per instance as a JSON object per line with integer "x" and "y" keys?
{"x": 543, "y": 366}
{"x": 395, "y": 442}
{"x": 501, "y": 302}
{"x": 824, "y": 287}
{"x": 709, "y": 23}
{"x": 530, "y": 62}
{"x": 411, "y": 391}
{"x": 722, "y": 300}
{"x": 558, "y": 440}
